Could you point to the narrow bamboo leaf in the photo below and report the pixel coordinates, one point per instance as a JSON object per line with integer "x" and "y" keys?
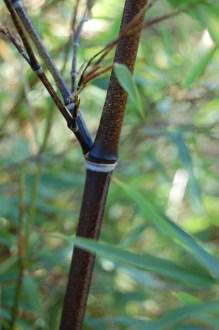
{"x": 208, "y": 15}
{"x": 146, "y": 261}
{"x": 186, "y": 160}
{"x": 206, "y": 12}
{"x": 184, "y": 3}
{"x": 180, "y": 314}
{"x": 199, "y": 68}
{"x": 7, "y": 264}
{"x": 171, "y": 229}
{"x": 133, "y": 235}
{"x": 186, "y": 298}
{"x": 143, "y": 278}
{"x": 126, "y": 80}
{"x": 32, "y": 292}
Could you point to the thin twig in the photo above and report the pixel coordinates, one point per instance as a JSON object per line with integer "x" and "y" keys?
{"x": 160, "y": 19}
{"x": 76, "y": 41}
{"x": 72, "y": 29}
{"x": 93, "y": 75}
{"x": 75, "y": 45}
{"x": 6, "y": 34}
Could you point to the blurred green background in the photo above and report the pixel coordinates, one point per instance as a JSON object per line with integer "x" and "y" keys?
{"x": 168, "y": 168}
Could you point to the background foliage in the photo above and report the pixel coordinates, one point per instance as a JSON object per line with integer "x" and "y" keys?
{"x": 150, "y": 274}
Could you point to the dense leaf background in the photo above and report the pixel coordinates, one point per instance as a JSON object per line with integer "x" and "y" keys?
{"x": 158, "y": 260}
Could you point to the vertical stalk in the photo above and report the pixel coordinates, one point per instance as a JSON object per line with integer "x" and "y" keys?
{"x": 21, "y": 247}
{"x": 100, "y": 160}
{"x": 95, "y": 192}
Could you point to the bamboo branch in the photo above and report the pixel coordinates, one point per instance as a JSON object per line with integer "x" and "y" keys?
{"x": 7, "y": 35}
{"x": 77, "y": 125}
{"x": 71, "y": 37}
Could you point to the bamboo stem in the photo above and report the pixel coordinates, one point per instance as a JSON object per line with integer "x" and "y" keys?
{"x": 97, "y": 183}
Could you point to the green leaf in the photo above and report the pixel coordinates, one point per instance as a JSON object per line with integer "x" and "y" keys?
{"x": 32, "y": 292}
{"x": 186, "y": 298}
{"x": 171, "y": 318}
{"x": 197, "y": 71}
{"x": 172, "y": 230}
{"x": 208, "y": 14}
{"x": 186, "y": 160}
{"x": 147, "y": 262}
{"x": 126, "y": 80}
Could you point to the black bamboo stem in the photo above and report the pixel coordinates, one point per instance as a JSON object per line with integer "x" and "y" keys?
{"x": 104, "y": 151}
{"x": 95, "y": 192}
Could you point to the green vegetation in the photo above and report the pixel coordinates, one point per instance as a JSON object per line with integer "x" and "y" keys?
{"x": 158, "y": 258}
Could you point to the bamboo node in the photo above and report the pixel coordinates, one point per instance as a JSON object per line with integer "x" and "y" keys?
{"x": 100, "y": 167}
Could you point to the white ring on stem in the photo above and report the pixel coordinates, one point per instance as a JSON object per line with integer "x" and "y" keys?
{"x": 99, "y": 167}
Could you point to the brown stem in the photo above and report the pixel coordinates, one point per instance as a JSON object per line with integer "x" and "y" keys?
{"x": 97, "y": 183}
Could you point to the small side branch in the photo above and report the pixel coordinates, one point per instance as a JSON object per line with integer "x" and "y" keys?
{"x": 75, "y": 41}
{"x": 76, "y": 34}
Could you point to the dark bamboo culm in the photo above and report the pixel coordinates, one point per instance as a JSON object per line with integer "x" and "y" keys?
{"x": 104, "y": 151}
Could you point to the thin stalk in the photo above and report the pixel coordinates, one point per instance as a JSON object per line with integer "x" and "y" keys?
{"x": 76, "y": 31}
{"x": 33, "y": 202}
{"x": 102, "y": 155}
{"x": 71, "y": 36}
{"x": 21, "y": 251}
